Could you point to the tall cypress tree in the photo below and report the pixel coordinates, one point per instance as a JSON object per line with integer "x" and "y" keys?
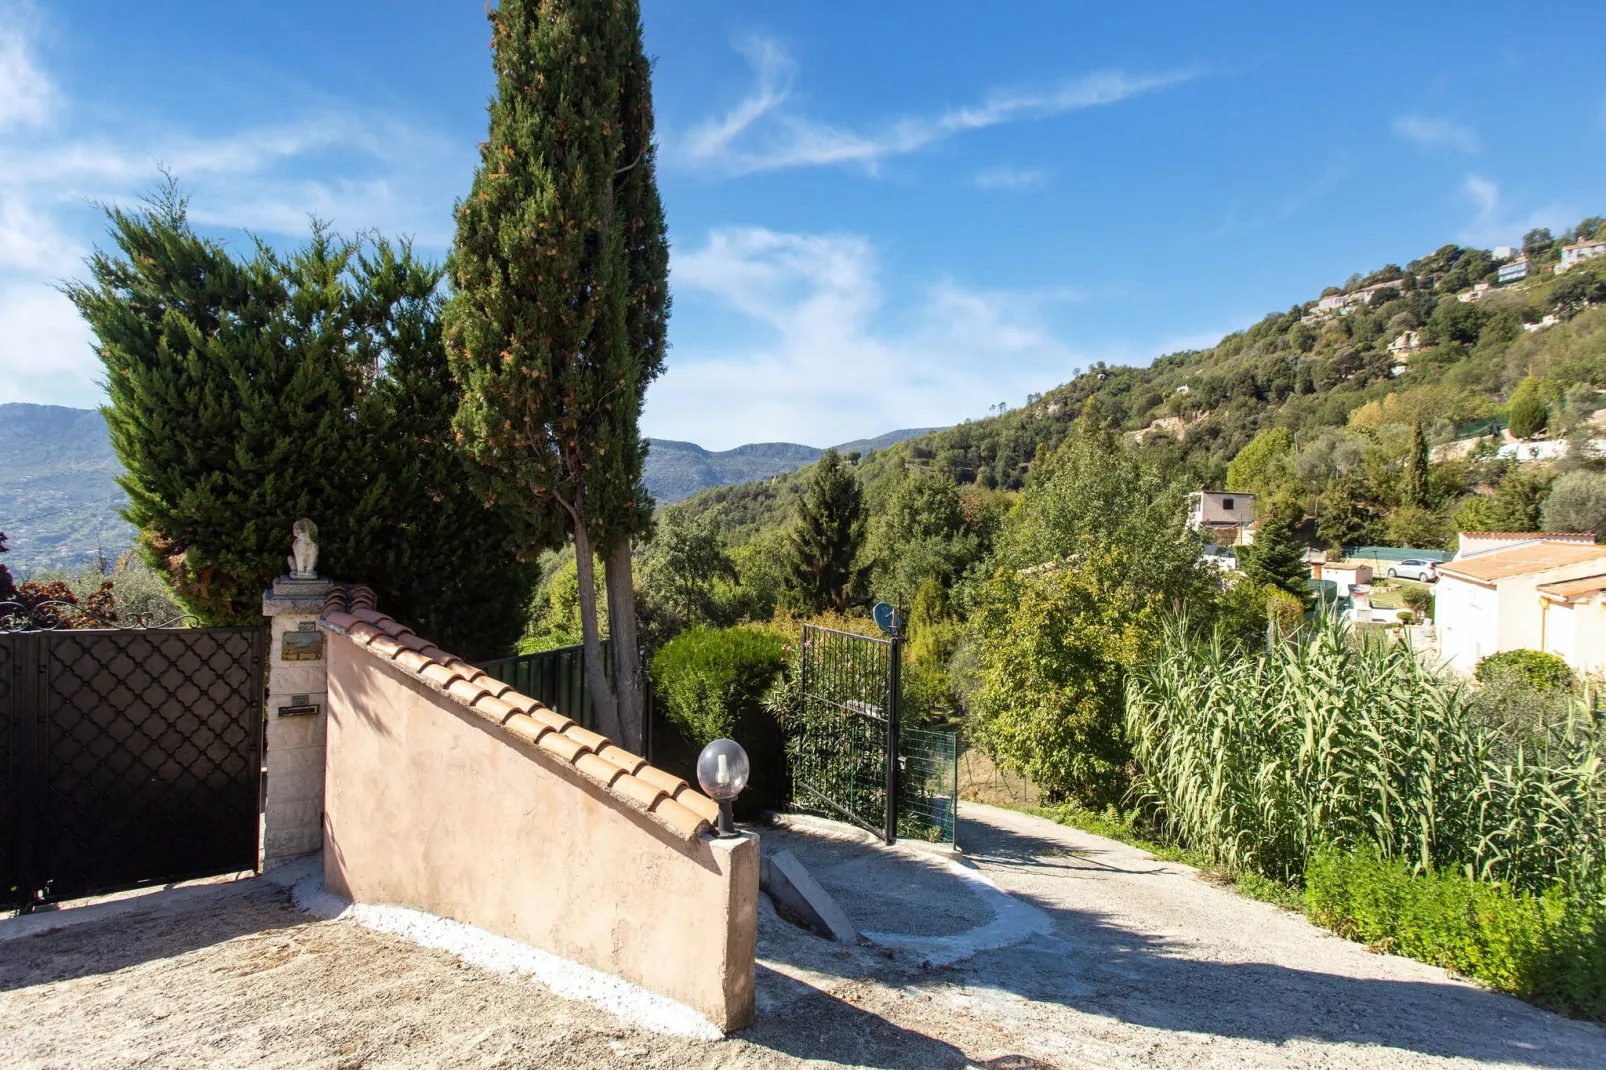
{"x": 824, "y": 543}
{"x": 1416, "y": 469}
{"x": 557, "y": 322}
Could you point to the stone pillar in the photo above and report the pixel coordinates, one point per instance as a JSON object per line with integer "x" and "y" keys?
{"x": 292, "y": 812}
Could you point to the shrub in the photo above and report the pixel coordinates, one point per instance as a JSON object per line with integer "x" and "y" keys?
{"x": 1420, "y": 600}
{"x": 1534, "y": 667}
{"x": 713, "y": 682}
{"x": 1548, "y": 947}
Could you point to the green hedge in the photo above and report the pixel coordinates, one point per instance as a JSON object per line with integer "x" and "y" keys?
{"x": 712, "y": 682}
{"x": 1535, "y": 667}
{"x": 1548, "y": 948}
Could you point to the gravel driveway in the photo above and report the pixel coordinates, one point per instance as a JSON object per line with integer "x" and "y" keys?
{"x": 1098, "y": 957}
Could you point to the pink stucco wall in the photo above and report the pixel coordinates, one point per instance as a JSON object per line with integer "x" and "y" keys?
{"x": 430, "y": 807}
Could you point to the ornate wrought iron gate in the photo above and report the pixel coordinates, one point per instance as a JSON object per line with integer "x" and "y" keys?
{"x": 843, "y": 749}
{"x": 850, "y": 756}
{"x": 127, "y": 757}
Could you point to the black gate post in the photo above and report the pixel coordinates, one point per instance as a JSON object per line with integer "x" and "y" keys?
{"x": 894, "y": 701}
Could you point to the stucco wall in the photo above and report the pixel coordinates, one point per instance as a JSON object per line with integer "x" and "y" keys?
{"x": 430, "y": 807}
{"x": 1467, "y": 616}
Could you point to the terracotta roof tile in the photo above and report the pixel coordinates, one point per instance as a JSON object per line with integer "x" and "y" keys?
{"x": 521, "y": 727}
{"x": 560, "y": 744}
{"x": 495, "y": 708}
{"x": 668, "y": 800}
{"x": 412, "y": 661}
{"x": 465, "y": 692}
{"x": 589, "y": 739}
{"x": 621, "y": 757}
{"x": 598, "y": 769}
{"x": 385, "y": 646}
{"x": 699, "y": 804}
{"x": 439, "y": 675}
{"x": 658, "y": 778}
{"x": 364, "y": 633}
{"x": 638, "y": 791}
{"x": 684, "y": 821}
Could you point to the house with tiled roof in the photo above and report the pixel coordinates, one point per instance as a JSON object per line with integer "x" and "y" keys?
{"x": 1523, "y": 591}
{"x": 1573, "y": 255}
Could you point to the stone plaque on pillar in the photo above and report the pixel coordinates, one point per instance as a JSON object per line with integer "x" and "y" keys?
{"x": 297, "y": 682}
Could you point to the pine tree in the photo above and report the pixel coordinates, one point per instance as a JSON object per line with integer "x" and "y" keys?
{"x": 557, "y": 324}
{"x": 1416, "y": 469}
{"x": 824, "y": 544}
{"x": 1277, "y": 558}
{"x": 247, "y": 393}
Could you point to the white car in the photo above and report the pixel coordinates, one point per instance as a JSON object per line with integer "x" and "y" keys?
{"x": 1425, "y": 571}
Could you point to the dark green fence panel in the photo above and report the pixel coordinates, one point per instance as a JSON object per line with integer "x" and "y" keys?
{"x": 928, "y": 785}
{"x": 555, "y": 678}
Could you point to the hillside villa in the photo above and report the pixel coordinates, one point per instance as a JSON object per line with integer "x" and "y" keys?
{"x": 1572, "y": 255}
{"x": 1226, "y": 518}
{"x": 1523, "y": 590}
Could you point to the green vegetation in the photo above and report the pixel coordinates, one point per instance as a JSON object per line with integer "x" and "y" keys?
{"x": 248, "y": 392}
{"x": 560, "y": 303}
{"x": 1546, "y": 947}
{"x": 713, "y": 682}
{"x": 1535, "y": 668}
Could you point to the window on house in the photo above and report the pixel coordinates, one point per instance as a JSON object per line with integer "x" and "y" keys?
{"x": 1226, "y": 503}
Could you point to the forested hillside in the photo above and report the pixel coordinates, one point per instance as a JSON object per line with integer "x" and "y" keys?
{"x": 1329, "y": 408}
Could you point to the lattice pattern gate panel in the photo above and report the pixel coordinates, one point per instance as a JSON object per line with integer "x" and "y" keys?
{"x": 140, "y": 757}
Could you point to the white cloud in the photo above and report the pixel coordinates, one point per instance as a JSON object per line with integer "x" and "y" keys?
{"x": 1494, "y": 224}
{"x": 32, "y": 242}
{"x": 761, "y": 133}
{"x": 46, "y": 349}
{"x": 354, "y": 168}
{"x": 1437, "y": 133}
{"x": 822, "y": 367}
{"x": 1009, "y": 178}
{"x": 27, "y": 96}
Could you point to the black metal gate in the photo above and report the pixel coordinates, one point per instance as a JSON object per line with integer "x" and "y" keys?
{"x": 127, "y": 757}
{"x": 842, "y": 747}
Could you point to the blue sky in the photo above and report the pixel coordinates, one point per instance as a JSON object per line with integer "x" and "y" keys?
{"x": 883, "y": 215}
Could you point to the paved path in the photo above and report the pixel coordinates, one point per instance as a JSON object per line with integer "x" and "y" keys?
{"x": 1099, "y": 956}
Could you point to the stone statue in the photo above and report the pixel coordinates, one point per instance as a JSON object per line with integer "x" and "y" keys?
{"x": 304, "y": 550}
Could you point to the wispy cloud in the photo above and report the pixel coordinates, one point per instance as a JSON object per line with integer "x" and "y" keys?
{"x": 1495, "y": 224}
{"x": 1433, "y": 133}
{"x": 1270, "y": 210}
{"x": 345, "y": 164}
{"x": 765, "y": 132}
{"x": 27, "y": 95}
{"x": 816, "y": 363}
{"x": 1009, "y": 178}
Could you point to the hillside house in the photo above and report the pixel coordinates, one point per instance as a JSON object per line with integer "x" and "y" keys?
{"x": 1474, "y": 294}
{"x": 1504, "y": 252}
{"x": 1513, "y": 271}
{"x": 1529, "y": 591}
{"x": 1226, "y": 518}
{"x": 1572, "y": 255}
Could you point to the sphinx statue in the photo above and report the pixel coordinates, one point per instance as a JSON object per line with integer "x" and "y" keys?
{"x": 304, "y": 550}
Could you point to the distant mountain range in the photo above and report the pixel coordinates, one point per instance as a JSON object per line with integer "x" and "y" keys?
{"x": 677, "y": 470}
{"x": 59, "y": 495}
{"x": 58, "y": 488}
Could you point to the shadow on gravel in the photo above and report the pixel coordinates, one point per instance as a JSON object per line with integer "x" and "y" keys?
{"x": 117, "y": 942}
{"x": 1094, "y": 967}
{"x": 822, "y": 1027}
